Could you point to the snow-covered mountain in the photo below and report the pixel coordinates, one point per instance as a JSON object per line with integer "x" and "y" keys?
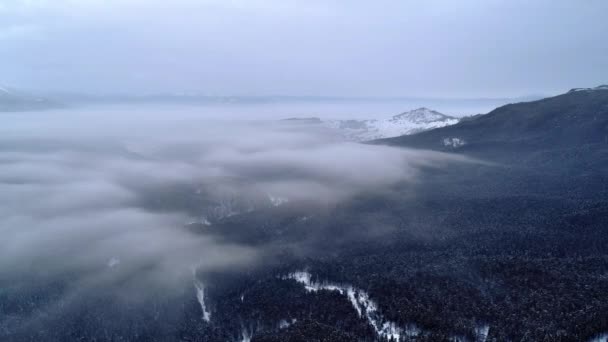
{"x": 411, "y": 122}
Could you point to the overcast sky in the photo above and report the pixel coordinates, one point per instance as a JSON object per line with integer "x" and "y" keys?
{"x": 431, "y": 48}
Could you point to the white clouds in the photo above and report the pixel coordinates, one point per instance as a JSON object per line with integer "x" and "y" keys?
{"x": 70, "y": 212}
{"x": 74, "y": 187}
{"x": 81, "y": 190}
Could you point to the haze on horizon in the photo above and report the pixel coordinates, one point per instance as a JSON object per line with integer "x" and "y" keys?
{"x": 315, "y": 48}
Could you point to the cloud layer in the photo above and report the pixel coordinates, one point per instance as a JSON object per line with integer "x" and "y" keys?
{"x": 96, "y": 196}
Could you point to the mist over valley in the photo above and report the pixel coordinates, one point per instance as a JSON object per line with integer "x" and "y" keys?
{"x": 290, "y": 171}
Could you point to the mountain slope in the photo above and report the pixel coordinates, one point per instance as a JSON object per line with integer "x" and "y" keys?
{"x": 548, "y": 147}
{"x": 576, "y": 118}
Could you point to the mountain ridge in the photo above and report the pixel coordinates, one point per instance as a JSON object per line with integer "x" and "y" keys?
{"x": 408, "y": 122}
{"x": 570, "y": 119}
{"x": 422, "y": 115}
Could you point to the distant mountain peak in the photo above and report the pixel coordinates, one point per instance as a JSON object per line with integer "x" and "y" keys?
{"x": 422, "y": 115}
{"x": 410, "y": 122}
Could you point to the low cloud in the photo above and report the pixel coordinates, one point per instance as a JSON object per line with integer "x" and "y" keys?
{"x": 75, "y": 192}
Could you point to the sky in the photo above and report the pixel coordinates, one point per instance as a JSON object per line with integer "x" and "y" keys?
{"x": 435, "y": 48}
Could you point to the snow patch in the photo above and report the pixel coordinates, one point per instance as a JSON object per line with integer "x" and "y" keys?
{"x": 202, "y": 220}
{"x": 277, "y": 201}
{"x": 600, "y": 338}
{"x": 284, "y": 323}
{"x": 361, "y": 302}
{"x": 200, "y": 296}
{"x": 481, "y": 332}
{"x": 454, "y": 142}
{"x": 226, "y": 208}
{"x": 245, "y": 335}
